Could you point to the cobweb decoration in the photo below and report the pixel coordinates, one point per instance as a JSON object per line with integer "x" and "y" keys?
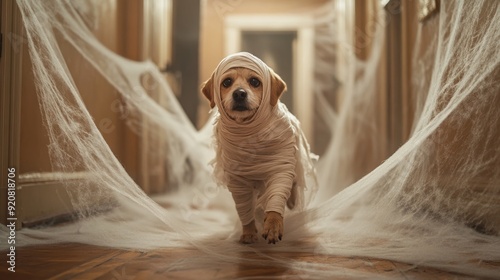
{"x": 434, "y": 202}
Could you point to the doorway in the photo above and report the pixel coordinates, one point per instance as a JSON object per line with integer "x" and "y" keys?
{"x": 276, "y": 49}
{"x": 286, "y": 43}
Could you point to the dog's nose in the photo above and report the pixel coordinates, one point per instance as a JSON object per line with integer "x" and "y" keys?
{"x": 239, "y": 95}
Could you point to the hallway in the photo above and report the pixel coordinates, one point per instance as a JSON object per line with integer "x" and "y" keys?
{"x": 106, "y": 122}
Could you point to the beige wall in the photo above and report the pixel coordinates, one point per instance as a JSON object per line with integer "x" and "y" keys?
{"x": 96, "y": 92}
{"x": 120, "y": 26}
{"x": 34, "y": 156}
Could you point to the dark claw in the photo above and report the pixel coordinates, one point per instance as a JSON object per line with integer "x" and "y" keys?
{"x": 280, "y": 236}
{"x": 264, "y": 235}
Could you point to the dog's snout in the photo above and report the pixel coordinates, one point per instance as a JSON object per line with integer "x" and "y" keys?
{"x": 239, "y": 95}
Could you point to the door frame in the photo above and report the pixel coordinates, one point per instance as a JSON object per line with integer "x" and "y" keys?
{"x": 303, "y": 25}
{"x": 10, "y": 74}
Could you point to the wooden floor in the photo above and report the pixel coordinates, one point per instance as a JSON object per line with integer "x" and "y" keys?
{"x": 76, "y": 261}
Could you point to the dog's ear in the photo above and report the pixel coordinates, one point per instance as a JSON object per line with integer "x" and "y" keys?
{"x": 207, "y": 90}
{"x": 278, "y": 87}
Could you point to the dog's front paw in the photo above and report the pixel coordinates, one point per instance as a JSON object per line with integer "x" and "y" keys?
{"x": 273, "y": 227}
{"x": 249, "y": 234}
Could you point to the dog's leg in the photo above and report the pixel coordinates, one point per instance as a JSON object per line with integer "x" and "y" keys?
{"x": 273, "y": 227}
{"x": 278, "y": 191}
{"x": 249, "y": 234}
{"x": 245, "y": 202}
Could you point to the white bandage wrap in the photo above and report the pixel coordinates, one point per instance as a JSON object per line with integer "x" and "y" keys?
{"x": 261, "y": 159}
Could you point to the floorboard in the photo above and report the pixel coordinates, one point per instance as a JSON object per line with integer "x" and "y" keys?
{"x": 79, "y": 261}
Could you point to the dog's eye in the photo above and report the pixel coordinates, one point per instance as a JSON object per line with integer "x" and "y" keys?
{"x": 254, "y": 82}
{"x": 227, "y": 82}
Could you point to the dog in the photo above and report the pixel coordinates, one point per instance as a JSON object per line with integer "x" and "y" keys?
{"x": 262, "y": 155}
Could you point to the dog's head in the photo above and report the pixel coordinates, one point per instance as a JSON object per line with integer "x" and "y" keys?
{"x": 240, "y": 85}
